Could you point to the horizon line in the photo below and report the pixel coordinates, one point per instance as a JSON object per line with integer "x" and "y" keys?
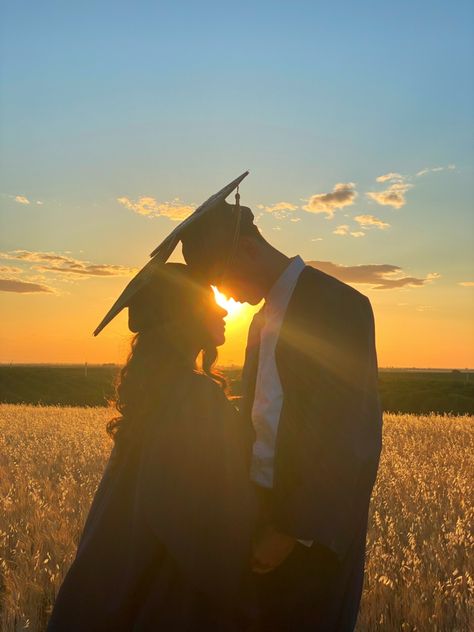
{"x": 224, "y": 366}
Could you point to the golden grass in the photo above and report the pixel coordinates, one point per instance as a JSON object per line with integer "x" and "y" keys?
{"x": 420, "y": 536}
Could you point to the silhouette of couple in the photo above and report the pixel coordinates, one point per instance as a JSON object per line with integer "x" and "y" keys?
{"x": 210, "y": 518}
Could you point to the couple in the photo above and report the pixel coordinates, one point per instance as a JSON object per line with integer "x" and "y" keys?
{"x": 209, "y": 519}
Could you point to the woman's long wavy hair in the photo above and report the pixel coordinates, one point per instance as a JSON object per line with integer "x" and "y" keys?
{"x": 163, "y": 351}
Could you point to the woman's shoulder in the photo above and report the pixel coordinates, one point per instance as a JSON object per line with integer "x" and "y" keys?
{"x": 187, "y": 398}
{"x": 195, "y": 410}
{"x": 202, "y": 389}
{"x": 189, "y": 395}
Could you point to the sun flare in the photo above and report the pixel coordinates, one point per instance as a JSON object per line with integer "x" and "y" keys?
{"x": 231, "y": 305}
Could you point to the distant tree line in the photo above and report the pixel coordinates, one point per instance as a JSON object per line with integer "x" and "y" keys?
{"x": 400, "y": 391}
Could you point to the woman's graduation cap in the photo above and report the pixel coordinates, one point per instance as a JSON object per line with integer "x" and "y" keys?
{"x": 162, "y": 253}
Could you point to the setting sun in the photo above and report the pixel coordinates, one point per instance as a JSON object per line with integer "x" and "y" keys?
{"x": 232, "y": 306}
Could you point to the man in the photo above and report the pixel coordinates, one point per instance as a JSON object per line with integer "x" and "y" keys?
{"x": 310, "y": 398}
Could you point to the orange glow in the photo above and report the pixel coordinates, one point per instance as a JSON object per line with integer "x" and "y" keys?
{"x": 229, "y": 304}
{"x": 58, "y": 327}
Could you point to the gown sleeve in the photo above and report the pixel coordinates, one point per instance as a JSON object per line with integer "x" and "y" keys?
{"x": 194, "y": 488}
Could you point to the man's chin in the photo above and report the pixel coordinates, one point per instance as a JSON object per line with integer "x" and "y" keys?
{"x": 252, "y": 300}
{"x": 239, "y": 294}
{"x": 247, "y": 298}
{"x": 242, "y": 297}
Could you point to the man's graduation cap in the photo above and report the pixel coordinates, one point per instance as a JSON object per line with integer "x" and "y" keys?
{"x": 162, "y": 253}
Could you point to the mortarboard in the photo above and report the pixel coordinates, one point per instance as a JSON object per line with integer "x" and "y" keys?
{"x": 162, "y": 252}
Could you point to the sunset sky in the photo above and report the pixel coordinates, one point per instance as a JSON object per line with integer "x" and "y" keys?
{"x": 355, "y": 120}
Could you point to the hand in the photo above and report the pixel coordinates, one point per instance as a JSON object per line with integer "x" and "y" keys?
{"x": 271, "y": 549}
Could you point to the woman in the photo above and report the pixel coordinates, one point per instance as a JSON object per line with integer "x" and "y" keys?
{"x": 167, "y": 543}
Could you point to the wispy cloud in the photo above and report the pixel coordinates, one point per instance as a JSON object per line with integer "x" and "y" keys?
{"x": 88, "y": 269}
{"x": 368, "y": 221}
{"x": 343, "y": 194}
{"x": 279, "y": 206}
{"x": 380, "y": 276}
{"x": 466, "y": 283}
{"x": 389, "y": 176}
{"x": 175, "y": 210}
{"x": 55, "y": 262}
{"x": 23, "y": 287}
{"x": 344, "y": 231}
{"x": 427, "y": 170}
{"x": 424, "y": 308}
{"x": 9, "y": 270}
{"x": 398, "y": 185}
{"x": 21, "y": 199}
{"x": 28, "y": 255}
{"x": 280, "y": 210}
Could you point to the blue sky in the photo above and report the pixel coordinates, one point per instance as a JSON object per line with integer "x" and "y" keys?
{"x": 107, "y": 100}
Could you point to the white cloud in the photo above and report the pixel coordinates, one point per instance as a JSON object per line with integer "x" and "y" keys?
{"x": 466, "y": 283}
{"x": 175, "y": 210}
{"x": 389, "y": 176}
{"x": 21, "y": 199}
{"x": 343, "y": 194}
{"x": 398, "y": 185}
{"x": 280, "y": 210}
{"x": 343, "y": 229}
{"x": 279, "y": 206}
{"x": 368, "y": 221}
{"x": 427, "y": 170}
{"x": 393, "y": 196}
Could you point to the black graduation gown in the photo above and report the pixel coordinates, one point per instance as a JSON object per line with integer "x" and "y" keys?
{"x": 327, "y": 451}
{"x": 167, "y": 542}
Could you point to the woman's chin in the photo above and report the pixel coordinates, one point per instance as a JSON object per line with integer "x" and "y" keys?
{"x": 219, "y": 339}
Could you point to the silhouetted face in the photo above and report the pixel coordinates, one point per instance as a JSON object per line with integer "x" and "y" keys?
{"x": 243, "y": 278}
{"x": 208, "y": 250}
{"x": 175, "y": 300}
{"x": 240, "y": 284}
{"x": 212, "y": 318}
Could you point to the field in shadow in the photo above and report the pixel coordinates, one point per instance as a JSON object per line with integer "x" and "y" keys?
{"x": 401, "y": 391}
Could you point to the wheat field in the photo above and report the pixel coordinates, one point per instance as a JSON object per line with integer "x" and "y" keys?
{"x": 418, "y": 573}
